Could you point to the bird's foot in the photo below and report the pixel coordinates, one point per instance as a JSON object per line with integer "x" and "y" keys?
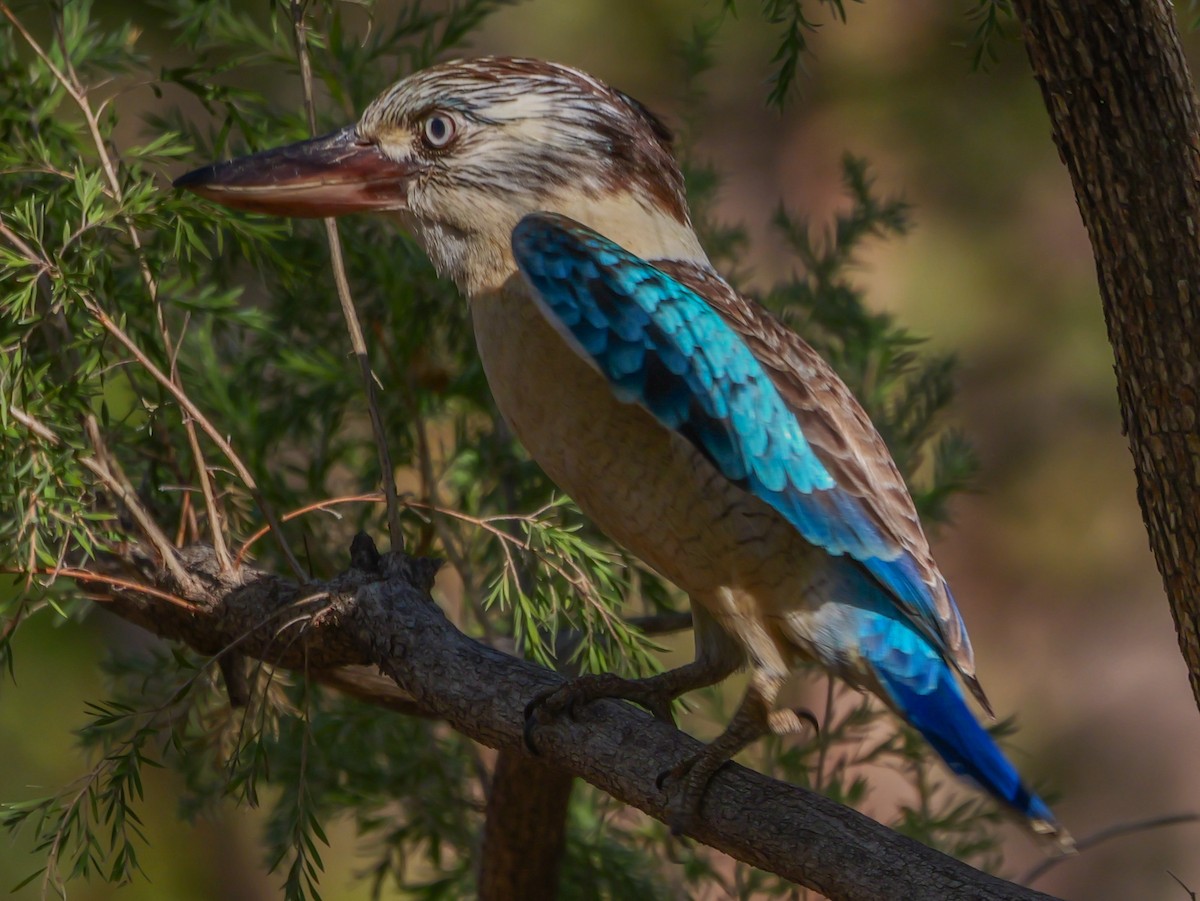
{"x": 692, "y": 775}
{"x": 653, "y": 693}
{"x": 685, "y": 785}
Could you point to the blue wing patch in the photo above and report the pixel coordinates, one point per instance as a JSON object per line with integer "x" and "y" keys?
{"x": 662, "y": 346}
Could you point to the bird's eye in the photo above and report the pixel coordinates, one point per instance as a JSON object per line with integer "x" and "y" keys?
{"x": 440, "y": 130}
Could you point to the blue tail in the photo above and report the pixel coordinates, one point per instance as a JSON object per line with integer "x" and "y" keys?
{"x": 865, "y": 636}
{"x": 934, "y": 704}
{"x": 864, "y": 629}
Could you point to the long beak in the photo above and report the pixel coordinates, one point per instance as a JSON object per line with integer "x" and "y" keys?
{"x": 326, "y": 176}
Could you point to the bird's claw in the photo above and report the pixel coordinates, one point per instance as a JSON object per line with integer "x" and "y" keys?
{"x": 660, "y": 709}
{"x": 564, "y": 698}
{"x": 696, "y": 771}
{"x": 570, "y": 696}
{"x": 674, "y": 772}
{"x": 531, "y": 716}
{"x": 684, "y": 807}
{"x": 793, "y": 720}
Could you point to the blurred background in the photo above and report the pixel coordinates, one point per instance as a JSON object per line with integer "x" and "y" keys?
{"x": 1049, "y": 560}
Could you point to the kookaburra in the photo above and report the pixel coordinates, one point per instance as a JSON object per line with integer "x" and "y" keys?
{"x": 690, "y": 424}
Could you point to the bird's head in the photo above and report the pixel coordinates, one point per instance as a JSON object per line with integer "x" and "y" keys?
{"x": 462, "y": 151}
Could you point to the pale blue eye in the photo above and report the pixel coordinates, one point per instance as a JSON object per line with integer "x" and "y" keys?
{"x": 439, "y": 130}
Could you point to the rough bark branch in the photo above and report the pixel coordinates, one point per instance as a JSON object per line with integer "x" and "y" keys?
{"x": 382, "y": 615}
{"x": 1124, "y": 116}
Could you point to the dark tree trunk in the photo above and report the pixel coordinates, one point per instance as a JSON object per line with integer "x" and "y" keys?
{"x": 526, "y": 830}
{"x": 1124, "y": 116}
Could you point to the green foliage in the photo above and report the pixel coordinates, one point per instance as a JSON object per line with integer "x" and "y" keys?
{"x": 991, "y": 18}
{"x": 108, "y": 278}
{"x": 566, "y": 585}
{"x": 91, "y": 828}
{"x": 792, "y": 19}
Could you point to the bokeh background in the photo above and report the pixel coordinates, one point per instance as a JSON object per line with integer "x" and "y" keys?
{"x": 1049, "y": 559}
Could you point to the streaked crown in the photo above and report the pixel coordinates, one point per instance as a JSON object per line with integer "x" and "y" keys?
{"x": 497, "y": 138}
{"x": 547, "y": 125}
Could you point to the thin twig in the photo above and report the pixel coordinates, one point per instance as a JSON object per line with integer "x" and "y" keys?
{"x": 373, "y": 498}
{"x": 209, "y": 429}
{"x": 129, "y": 499}
{"x": 1110, "y": 832}
{"x": 185, "y": 511}
{"x": 458, "y": 559}
{"x": 34, "y": 425}
{"x": 30, "y": 514}
{"x": 353, "y": 326}
{"x": 1183, "y": 885}
{"x": 216, "y": 521}
{"x": 108, "y": 469}
{"x": 86, "y": 575}
{"x": 12, "y": 623}
{"x": 32, "y": 256}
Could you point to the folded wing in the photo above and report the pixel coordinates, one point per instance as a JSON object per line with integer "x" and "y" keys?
{"x": 756, "y": 400}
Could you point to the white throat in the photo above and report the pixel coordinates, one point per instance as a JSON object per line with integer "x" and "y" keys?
{"x": 480, "y": 260}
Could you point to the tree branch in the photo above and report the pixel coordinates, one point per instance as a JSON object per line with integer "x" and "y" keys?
{"x": 382, "y": 614}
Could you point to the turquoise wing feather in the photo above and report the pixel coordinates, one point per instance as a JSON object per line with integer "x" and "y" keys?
{"x": 662, "y": 346}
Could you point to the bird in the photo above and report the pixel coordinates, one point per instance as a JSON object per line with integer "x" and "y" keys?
{"x": 687, "y": 421}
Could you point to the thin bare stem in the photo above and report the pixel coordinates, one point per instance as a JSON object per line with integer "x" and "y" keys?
{"x": 457, "y": 558}
{"x": 187, "y": 520}
{"x": 1183, "y": 885}
{"x": 34, "y": 425}
{"x": 34, "y": 258}
{"x": 353, "y": 326}
{"x": 86, "y": 575}
{"x": 216, "y": 521}
{"x": 30, "y": 513}
{"x": 372, "y": 498}
{"x": 209, "y": 429}
{"x": 1110, "y": 832}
